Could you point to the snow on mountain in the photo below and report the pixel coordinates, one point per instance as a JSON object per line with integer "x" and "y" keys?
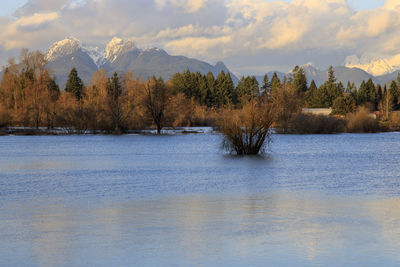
{"x": 97, "y": 54}
{"x": 375, "y": 65}
{"x": 120, "y": 56}
{"x": 70, "y": 45}
{"x": 376, "y": 68}
{"x": 63, "y": 48}
{"x": 117, "y": 47}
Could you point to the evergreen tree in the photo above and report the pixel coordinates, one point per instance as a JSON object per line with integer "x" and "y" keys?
{"x": 178, "y": 84}
{"x": 224, "y": 89}
{"x": 210, "y": 81}
{"x": 114, "y": 90}
{"x": 371, "y": 91}
{"x": 266, "y": 86}
{"x": 351, "y": 89}
{"x": 344, "y": 104}
{"x": 366, "y": 93}
{"x": 331, "y": 76}
{"x": 329, "y": 91}
{"x": 311, "y": 95}
{"x": 74, "y": 84}
{"x": 379, "y": 93}
{"x": 201, "y": 96}
{"x": 395, "y": 94}
{"x": 275, "y": 82}
{"x": 246, "y": 90}
{"x": 299, "y": 80}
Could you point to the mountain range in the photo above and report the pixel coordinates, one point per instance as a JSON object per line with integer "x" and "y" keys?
{"x": 120, "y": 56}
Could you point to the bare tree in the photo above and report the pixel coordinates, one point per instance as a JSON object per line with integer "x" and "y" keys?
{"x": 156, "y": 98}
{"x": 247, "y": 131}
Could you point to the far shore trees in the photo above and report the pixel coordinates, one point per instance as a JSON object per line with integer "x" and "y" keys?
{"x": 30, "y": 97}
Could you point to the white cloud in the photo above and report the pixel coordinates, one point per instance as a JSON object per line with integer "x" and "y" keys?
{"x": 19, "y": 33}
{"x": 188, "y": 5}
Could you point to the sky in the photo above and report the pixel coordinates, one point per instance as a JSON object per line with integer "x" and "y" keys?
{"x": 249, "y": 36}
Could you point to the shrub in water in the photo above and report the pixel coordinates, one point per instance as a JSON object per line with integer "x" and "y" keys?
{"x": 247, "y": 131}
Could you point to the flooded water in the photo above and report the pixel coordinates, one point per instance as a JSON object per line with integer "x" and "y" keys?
{"x": 178, "y": 200}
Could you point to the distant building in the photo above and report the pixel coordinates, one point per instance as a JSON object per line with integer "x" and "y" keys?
{"x": 317, "y": 111}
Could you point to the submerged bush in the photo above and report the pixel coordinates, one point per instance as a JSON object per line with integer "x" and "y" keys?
{"x": 247, "y": 131}
{"x": 316, "y": 124}
{"x": 361, "y": 121}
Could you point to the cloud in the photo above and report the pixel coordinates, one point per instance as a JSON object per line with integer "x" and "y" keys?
{"x": 187, "y": 5}
{"x": 247, "y": 34}
{"x": 19, "y": 33}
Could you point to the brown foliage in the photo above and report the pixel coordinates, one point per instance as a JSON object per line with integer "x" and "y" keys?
{"x": 361, "y": 122}
{"x": 28, "y": 91}
{"x": 4, "y": 116}
{"x": 287, "y": 104}
{"x": 247, "y": 131}
{"x": 155, "y": 100}
{"x": 316, "y": 124}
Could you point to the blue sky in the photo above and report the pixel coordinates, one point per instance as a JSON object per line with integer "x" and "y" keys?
{"x": 366, "y": 4}
{"x": 9, "y": 6}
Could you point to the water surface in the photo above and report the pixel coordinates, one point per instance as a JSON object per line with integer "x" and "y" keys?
{"x": 178, "y": 200}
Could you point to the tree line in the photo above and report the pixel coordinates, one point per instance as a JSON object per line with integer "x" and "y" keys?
{"x": 30, "y": 97}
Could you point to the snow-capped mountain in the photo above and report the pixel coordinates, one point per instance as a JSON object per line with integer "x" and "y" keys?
{"x": 95, "y": 53}
{"x": 62, "y": 48}
{"x": 120, "y": 56}
{"x": 70, "y": 45}
{"x": 374, "y": 64}
{"x": 118, "y": 47}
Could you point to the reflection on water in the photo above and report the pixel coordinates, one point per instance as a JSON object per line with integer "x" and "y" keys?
{"x": 177, "y": 201}
{"x": 279, "y": 229}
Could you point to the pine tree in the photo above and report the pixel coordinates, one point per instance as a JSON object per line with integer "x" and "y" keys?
{"x": 246, "y": 90}
{"x": 371, "y": 91}
{"x": 379, "y": 93}
{"x": 362, "y": 94}
{"x": 210, "y": 81}
{"x": 395, "y": 94}
{"x": 299, "y": 80}
{"x": 224, "y": 89}
{"x": 344, "y": 104}
{"x": 331, "y": 76}
{"x": 329, "y": 91}
{"x": 311, "y": 95}
{"x": 266, "y": 86}
{"x": 114, "y": 90}
{"x": 74, "y": 84}
{"x": 275, "y": 83}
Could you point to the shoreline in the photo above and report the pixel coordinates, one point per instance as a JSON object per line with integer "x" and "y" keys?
{"x": 42, "y": 131}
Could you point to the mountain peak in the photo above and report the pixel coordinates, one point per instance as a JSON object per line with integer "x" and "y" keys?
{"x": 310, "y": 65}
{"x": 71, "y": 45}
{"x": 64, "y": 47}
{"x": 118, "y": 46}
